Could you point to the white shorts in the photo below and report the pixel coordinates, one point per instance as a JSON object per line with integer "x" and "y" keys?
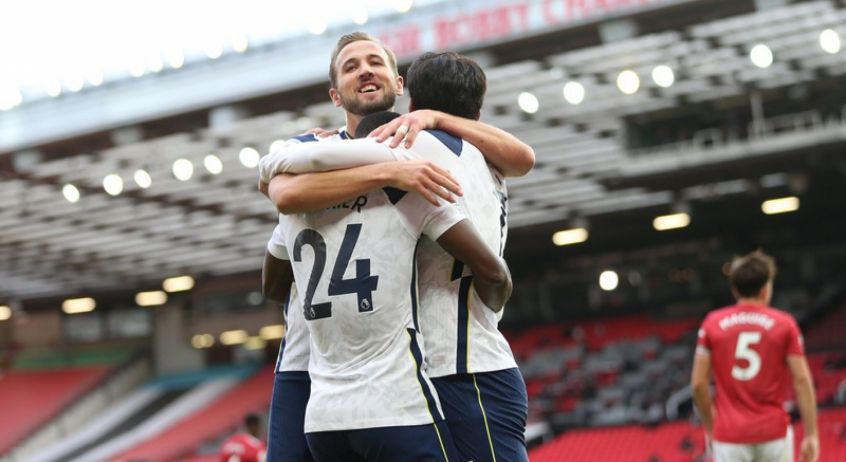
{"x": 780, "y": 450}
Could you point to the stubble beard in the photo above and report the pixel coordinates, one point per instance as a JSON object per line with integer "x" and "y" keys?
{"x": 363, "y": 108}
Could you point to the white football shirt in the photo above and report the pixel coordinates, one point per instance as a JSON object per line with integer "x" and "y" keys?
{"x": 460, "y": 333}
{"x": 355, "y": 270}
{"x": 294, "y": 349}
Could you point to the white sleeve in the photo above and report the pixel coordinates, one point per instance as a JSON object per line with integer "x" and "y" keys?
{"x": 326, "y": 155}
{"x": 422, "y": 217}
{"x": 276, "y": 244}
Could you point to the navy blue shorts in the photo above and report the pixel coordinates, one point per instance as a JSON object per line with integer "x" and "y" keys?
{"x": 418, "y": 443}
{"x": 486, "y": 414}
{"x": 286, "y": 440}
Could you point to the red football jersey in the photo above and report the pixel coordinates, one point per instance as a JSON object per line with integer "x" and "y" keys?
{"x": 243, "y": 447}
{"x": 749, "y": 345}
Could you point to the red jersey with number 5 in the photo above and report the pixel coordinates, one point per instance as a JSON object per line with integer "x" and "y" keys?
{"x": 748, "y": 346}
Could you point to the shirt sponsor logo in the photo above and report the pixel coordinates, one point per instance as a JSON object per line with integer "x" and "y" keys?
{"x": 356, "y": 205}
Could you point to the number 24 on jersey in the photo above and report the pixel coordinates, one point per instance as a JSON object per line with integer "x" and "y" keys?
{"x": 362, "y": 284}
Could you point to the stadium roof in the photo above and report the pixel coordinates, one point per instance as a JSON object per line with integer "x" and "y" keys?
{"x": 588, "y": 168}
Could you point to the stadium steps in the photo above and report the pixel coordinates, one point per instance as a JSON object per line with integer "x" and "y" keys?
{"x": 127, "y": 415}
{"x": 31, "y": 398}
{"x": 113, "y": 385}
{"x": 216, "y": 419}
{"x": 189, "y": 402}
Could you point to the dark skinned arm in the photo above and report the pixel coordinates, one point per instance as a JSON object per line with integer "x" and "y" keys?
{"x": 491, "y": 277}
{"x": 276, "y": 278}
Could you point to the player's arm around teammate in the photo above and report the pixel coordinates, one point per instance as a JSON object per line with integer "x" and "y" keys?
{"x": 311, "y": 192}
{"x": 508, "y": 154}
{"x": 491, "y": 277}
{"x": 298, "y": 194}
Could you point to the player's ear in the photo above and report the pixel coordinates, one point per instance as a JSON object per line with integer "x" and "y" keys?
{"x": 335, "y": 96}
{"x": 400, "y": 83}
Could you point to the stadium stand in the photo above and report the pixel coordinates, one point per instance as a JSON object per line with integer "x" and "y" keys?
{"x": 828, "y": 333}
{"x": 122, "y": 369}
{"x": 73, "y": 357}
{"x": 109, "y": 424}
{"x": 626, "y": 375}
{"x": 31, "y": 398}
{"x": 216, "y": 419}
{"x": 669, "y": 442}
{"x": 829, "y": 371}
{"x": 594, "y": 373}
{"x": 626, "y": 370}
{"x": 196, "y": 398}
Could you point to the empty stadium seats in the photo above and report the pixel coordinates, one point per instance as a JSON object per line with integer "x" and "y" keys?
{"x": 30, "y": 398}
{"x": 216, "y": 419}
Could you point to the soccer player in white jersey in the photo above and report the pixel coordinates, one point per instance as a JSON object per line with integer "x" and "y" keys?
{"x": 357, "y": 60}
{"x": 481, "y": 390}
{"x": 356, "y": 277}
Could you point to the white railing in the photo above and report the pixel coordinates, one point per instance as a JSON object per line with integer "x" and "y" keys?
{"x": 714, "y": 138}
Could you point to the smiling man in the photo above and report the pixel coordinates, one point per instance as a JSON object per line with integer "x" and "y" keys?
{"x": 361, "y": 93}
{"x": 368, "y": 83}
{"x": 469, "y": 361}
{"x": 364, "y": 79}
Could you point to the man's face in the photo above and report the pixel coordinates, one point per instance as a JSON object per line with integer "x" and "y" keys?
{"x": 365, "y": 80}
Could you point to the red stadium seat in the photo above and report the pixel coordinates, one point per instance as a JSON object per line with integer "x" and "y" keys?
{"x": 629, "y": 443}
{"x": 221, "y": 416}
{"x": 29, "y": 399}
{"x": 670, "y": 442}
{"x": 827, "y": 333}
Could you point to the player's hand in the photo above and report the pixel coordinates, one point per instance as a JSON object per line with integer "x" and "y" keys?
{"x": 709, "y": 445}
{"x": 264, "y": 188}
{"x": 320, "y": 132}
{"x": 810, "y": 449}
{"x": 406, "y": 127}
{"x": 424, "y": 178}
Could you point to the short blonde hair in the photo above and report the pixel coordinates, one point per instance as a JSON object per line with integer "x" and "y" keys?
{"x": 345, "y": 40}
